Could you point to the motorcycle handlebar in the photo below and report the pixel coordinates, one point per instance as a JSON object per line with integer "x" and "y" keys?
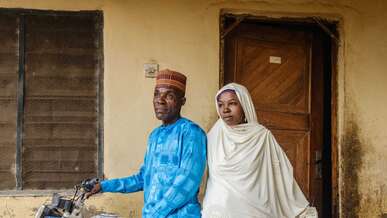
{"x": 88, "y": 184}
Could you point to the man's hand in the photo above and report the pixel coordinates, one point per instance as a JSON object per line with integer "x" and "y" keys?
{"x": 95, "y": 190}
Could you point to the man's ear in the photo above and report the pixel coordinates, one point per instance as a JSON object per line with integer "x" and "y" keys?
{"x": 183, "y": 99}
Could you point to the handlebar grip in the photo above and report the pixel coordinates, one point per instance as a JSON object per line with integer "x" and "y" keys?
{"x": 89, "y": 184}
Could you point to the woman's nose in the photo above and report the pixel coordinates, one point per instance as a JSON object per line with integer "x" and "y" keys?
{"x": 226, "y": 109}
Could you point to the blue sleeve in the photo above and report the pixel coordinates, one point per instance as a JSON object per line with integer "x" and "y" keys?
{"x": 188, "y": 177}
{"x": 129, "y": 184}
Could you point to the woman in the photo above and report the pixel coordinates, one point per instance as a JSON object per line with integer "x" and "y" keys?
{"x": 249, "y": 173}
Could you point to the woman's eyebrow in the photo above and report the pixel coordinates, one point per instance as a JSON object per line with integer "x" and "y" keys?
{"x": 220, "y": 101}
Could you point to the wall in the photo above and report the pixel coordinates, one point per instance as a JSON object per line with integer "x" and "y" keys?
{"x": 184, "y": 35}
{"x": 364, "y": 146}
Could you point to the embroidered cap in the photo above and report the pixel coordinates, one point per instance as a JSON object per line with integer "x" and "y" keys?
{"x": 171, "y": 79}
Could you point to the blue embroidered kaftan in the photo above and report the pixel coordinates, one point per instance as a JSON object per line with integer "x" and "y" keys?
{"x": 171, "y": 173}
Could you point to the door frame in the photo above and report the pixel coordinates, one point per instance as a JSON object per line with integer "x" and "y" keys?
{"x": 335, "y": 45}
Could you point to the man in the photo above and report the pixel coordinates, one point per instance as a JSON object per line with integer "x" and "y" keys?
{"x": 175, "y": 157}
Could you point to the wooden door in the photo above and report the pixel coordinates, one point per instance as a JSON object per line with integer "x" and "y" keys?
{"x": 282, "y": 69}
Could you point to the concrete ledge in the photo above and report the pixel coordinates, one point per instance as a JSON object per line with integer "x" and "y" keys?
{"x": 34, "y": 193}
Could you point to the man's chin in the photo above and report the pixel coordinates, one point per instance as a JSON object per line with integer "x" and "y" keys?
{"x": 160, "y": 117}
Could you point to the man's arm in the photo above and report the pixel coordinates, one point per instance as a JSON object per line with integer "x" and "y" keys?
{"x": 188, "y": 176}
{"x": 129, "y": 184}
{"x": 124, "y": 185}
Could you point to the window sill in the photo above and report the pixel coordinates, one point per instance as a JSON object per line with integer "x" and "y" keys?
{"x": 34, "y": 193}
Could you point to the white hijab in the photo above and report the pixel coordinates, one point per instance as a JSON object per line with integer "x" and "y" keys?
{"x": 249, "y": 173}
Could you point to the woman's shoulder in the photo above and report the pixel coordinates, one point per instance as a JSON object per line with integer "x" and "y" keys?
{"x": 214, "y": 127}
{"x": 265, "y": 130}
{"x": 267, "y": 133}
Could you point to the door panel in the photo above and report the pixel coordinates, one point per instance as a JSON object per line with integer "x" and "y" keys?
{"x": 273, "y": 86}
{"x": 283, "y": 120}
{"x": 276, "y": 65}
{"x": 296, "y": 146}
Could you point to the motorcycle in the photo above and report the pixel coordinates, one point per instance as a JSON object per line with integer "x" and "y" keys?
{"x": 63, "y": 207}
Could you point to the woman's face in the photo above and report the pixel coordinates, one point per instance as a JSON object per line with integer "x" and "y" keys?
{"x": 230, "y": 108}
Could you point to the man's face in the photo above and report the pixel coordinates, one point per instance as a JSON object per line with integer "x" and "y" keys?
{"x": 167, "y": 103}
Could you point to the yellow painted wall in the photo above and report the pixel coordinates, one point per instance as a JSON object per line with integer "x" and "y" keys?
{"x": 184, "y": 35}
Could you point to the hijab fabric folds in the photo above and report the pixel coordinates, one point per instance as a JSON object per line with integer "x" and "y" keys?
{"x": 249, "y": 173}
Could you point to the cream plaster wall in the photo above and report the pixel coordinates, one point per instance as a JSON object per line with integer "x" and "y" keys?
{"x": 184, "y": 35}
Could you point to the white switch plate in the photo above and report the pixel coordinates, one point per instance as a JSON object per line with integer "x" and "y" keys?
{"x": 150, "y": 69}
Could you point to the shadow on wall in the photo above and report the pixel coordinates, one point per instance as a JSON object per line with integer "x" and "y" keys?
{"x": 351, "y": 153}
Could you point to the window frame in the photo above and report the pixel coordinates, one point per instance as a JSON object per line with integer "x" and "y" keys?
{"x": 20, "y": 90}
